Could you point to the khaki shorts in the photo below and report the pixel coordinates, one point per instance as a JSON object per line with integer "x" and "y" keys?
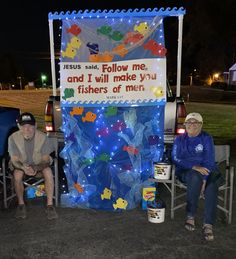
{"x": 39, "y": 174}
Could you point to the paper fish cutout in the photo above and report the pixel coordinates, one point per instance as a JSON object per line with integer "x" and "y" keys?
{"x": 132, "y": 37}
{"x": 119, "y": 126}
{"x": 142, "y": 28}
{"x": 75, "y": 43}
{"x": 106, "y": 194}
{"x": 104, "y": 30}
{"x": 95, "y": 58}
{"x": 93, "y": 48}
{"x": 155, "y": 48}
{"x": 102, "y": 132}
{"x": 104, "y": 157}
{"x": 120, "y": 204}
{"x": 131, "y": 150}
{"x": 74, "y": 29}
{"x": 68, "y": 92}
{"x": 116, "y": 36}
{"x": 120, "y": 50}
{"x": 78, "y": 187}
{"x": 111, "y": 111}
{"x": 158, "y": 91}
{"x": 106, "y": 57}
{"x": 101, "y": 57}
{"x": 89, "y": 117}
{"x": 88, "y": 161}
{"x": 77, "y": 111}
{"x": 70, "y": 52}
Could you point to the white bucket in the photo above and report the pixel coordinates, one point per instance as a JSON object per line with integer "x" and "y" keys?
{"x": 156, "y": 215}
{"x": 162, "y": 171}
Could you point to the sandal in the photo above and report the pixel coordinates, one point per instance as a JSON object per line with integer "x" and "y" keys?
{"x": 189, "y": 224}
{"x": 208, "y": 232}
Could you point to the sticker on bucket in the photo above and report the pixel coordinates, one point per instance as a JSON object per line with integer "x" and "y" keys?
{"x": 162, "y": 171}
{"x": 156, "y": 215}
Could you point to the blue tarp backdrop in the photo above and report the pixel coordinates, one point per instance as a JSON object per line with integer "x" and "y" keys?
{"x": 110, "y": 147}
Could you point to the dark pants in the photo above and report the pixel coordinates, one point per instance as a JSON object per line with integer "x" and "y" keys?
{"x": 194, "y": 180}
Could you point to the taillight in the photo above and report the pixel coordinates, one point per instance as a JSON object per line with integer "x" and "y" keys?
{"x": 180, "y": 118}
{"x": 48, "y": 117}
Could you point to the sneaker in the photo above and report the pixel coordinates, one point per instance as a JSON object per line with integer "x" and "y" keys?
{"x": 51, "y": 212}
{"x": 21, "y": 212}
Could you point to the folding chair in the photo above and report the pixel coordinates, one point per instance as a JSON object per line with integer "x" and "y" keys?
{"x": 225, "y": 196}
{"x": 6, "y": 181}
{"x": 29, "y": 182}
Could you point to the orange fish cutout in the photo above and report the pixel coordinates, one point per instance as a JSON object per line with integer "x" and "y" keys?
{"x": 107, "y": 57}
{"x": 95, "y": 58}
{"x": 120, "y": 50}
{"x": 101, "y": 57}
{"x": 78, "y": 187}
{"x": 77, "y": 111}
{"x": 89, "y": 117}
{"x": 131, "y": 150}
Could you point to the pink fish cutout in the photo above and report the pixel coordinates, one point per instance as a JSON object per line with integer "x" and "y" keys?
{"x": 74, "y": 29}
{"x": 119, "y": 126}
{"x": 89, "y": 117}
{"x": 155, "y": 48}
{"x": 102, "y": 132}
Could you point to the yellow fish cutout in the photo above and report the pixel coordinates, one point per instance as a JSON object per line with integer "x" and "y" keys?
{"x": 142, "y": 28}
{"x": 70, "y": 52}
{"x": 106, "y": 194}
{"x": 75, "y": 43}
{"x": 158, "y": 91}
{"x": 76, "y": 111}
{"x": 120, "y": 204}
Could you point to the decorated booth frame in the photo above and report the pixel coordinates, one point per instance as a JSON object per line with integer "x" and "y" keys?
{"x": 113, "y": 87}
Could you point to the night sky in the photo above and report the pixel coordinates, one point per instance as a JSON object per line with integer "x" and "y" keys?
{"x": 25, "y": 33}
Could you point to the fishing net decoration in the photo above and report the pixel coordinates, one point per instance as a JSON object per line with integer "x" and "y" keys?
{"x": 109, "y": 148}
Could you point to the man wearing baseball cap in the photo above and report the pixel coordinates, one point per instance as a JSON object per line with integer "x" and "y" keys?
{"x": 29, "y": 151}
{"x": 194, "y": 157}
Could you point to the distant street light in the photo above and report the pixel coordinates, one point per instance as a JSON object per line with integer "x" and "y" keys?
{"x": 216, "y": 76}
{"x": 43, "y": 79}
{"x": 20, "y": 78}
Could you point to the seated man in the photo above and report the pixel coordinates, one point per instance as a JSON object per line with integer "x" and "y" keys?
{"x": 194, "y": 157}
{"x": 29, "y": 151}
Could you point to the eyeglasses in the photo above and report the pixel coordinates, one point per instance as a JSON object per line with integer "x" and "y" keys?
{"x": 195, "y": 123}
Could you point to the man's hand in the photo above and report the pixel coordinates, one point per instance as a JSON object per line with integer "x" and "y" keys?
{"x": 29, "y": 170}
{"x": 201, "y": 170}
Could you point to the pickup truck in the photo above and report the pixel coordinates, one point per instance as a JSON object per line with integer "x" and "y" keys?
{"x": 8, "y": 125}
{"x": 175, "y": 113}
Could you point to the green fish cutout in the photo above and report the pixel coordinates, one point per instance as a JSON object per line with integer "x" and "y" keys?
{"x": 104, "y": 30}
{"x": 104, "y": 157}
{"x": 111, "y": 111}
{"x": 88, "y": 161}
{"x": 116, "y": 36}
{"x": 68, "y": 92}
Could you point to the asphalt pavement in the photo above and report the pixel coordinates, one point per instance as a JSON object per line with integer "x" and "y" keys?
{"x": 81, "y": 233}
